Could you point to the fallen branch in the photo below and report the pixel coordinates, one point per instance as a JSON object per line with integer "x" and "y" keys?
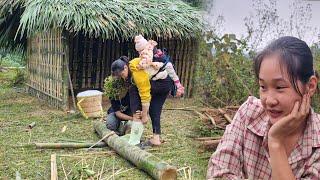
{"x": 145, "y": 161}
{"x": 208, "y": 138}
{"x": 204, "y": 117}
{"x": 232, "y": 107}
{"x": 181, "y": 109}
{"x": 211, "y": 144}
{"x": 211, "y": 119}
{"x": 225, "y": 115}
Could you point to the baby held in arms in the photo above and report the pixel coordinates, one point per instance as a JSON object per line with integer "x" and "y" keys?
{"x": 159, "y": 68}
{"x": 145, "y": 49}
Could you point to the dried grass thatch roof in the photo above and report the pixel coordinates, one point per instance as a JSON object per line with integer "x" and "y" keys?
{"x": 110, "y": 19}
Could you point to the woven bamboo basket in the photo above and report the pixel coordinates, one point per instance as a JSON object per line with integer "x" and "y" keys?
{"x": 90, "y": 103}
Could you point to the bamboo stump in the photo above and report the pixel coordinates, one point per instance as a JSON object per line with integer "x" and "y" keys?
{"x": 145, "y": 161}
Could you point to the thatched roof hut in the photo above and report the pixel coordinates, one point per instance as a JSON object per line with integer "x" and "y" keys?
{"x": 83, "y": 37}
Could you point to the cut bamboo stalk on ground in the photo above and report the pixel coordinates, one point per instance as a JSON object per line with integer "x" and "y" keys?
{"x": 32, "y": 125}
{"x": 201, "y": 115}
{"x": 54, "y": 170}
{"x": 211, "y": 119}
{"x": 69, "y": 145}
{"x": 145, "y": 161}
{"x": 225, "y": 115}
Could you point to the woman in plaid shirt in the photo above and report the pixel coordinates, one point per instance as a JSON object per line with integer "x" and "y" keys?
{"x": 278, "y": 135}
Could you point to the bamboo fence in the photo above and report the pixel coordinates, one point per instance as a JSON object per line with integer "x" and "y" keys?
{"x": 46, "y": 68}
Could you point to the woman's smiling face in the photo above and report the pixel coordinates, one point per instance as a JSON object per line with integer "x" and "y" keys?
{"x": 277, "y": 94}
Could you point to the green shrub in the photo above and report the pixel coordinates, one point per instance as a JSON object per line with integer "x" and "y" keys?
{"x": 225, "y": 78}
{"x": 19, "y": 78}
{"x": 12, "y": 58}
{"x": 316, "y": 98}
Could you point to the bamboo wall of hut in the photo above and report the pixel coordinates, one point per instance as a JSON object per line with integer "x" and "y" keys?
{"x": 46, "y": 68}
{"x": 89, "y": 61}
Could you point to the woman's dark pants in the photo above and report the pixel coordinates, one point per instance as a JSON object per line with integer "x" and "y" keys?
{"x": 159, "y": 92}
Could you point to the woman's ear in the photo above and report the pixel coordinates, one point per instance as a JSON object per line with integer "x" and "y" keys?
{"x": 312, "y": 85}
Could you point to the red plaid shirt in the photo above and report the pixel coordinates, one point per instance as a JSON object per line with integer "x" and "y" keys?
{"x": 242, "y": 152}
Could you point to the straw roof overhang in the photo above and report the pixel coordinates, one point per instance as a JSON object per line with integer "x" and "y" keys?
{"x": 109, "y": 19}
{"x": 10, "y": 13}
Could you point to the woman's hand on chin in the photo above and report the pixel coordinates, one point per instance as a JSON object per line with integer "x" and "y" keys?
{"x": 291, "y": 124}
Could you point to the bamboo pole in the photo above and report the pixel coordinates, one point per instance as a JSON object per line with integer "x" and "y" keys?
{"x": 75, "y": 59}
{"x": 64, "y": 72}
{"x": 211, "y": 119}
{"x": 69, "y": 145}
{"x": 192, "y": 68}
{"x": 85, "y": 63}
{"x": 54, "y": 170}
{"x": 183, "y": 63}
{"x": 39, "y": 91}
{"x": 99, "y": 82}
{"x": 229, "y": 119}
{"x": 143, "y": 160}
{"x": 188, "y": 63}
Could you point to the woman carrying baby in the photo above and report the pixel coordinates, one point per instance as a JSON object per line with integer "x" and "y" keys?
{"x": 145, "y": 95}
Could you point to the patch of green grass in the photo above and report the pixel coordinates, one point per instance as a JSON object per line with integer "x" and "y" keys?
{"x": 17, "y": 110}
{"x": 6, "y": 79}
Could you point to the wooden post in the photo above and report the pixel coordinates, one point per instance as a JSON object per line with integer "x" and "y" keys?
{"x": 142, "y": 159}
{"x": 64, "y": 64}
